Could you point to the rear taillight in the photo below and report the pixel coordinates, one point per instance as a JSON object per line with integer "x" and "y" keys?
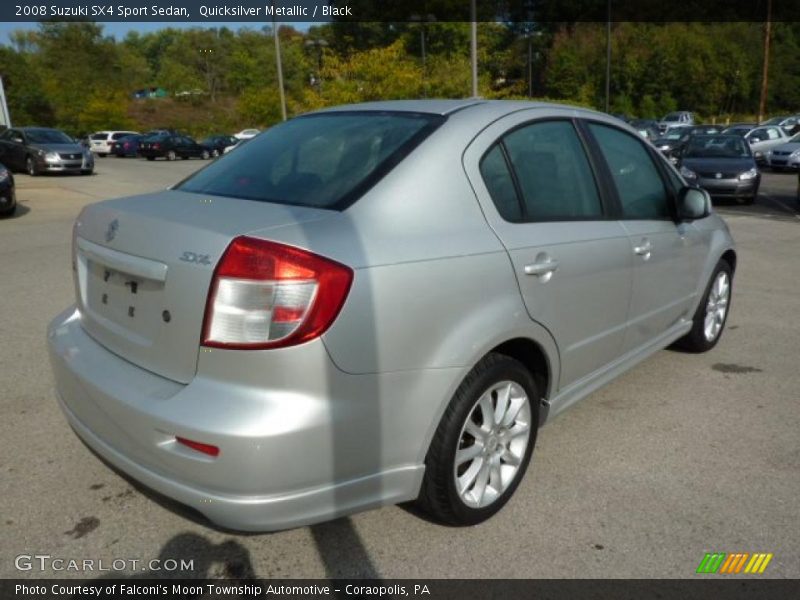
{"x": 155, "y": 146}
{"x": 269, "y": 295}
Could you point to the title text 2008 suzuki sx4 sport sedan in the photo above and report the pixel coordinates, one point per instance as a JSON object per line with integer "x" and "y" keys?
{"x": 379, "y": 303}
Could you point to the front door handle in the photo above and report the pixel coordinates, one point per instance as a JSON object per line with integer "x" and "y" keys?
{"x": 644, "y": 249}
{"x": 543, "y": 268}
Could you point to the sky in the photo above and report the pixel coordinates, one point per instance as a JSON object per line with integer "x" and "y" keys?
{"x": 119, "y": 30}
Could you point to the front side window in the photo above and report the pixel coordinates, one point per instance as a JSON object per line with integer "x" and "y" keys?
{"x": 326, "y": 160}
{"x": 639, "y": 185}
{"x": 555, "y": 178}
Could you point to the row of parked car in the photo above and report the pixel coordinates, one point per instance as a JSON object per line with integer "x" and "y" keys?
{"x": 724, "y": 159}
{"x": 775, "y": 143}
{"x": 163, "y": 143}
{"x": 37, "y": 150}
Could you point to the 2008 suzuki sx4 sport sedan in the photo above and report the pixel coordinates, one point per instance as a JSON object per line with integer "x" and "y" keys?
{"x": 380, "y": 303}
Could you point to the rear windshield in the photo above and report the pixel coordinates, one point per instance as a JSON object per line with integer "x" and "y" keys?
{"x": 99, "y": 136}
{"x": 323, "y": 161}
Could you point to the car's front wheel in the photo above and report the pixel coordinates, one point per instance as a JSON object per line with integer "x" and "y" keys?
{"x": 205, "y": 155}
{"x": 171, "y": 155}
{"x": 483, "y": 444}
{"x": 30, "y": 167}
{"x": 712, "y": 313}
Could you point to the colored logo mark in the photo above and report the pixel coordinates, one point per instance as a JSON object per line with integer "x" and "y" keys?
{"x": 734, "y": 563}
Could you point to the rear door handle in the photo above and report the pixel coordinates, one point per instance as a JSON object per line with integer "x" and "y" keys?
{"x": 543, "y": 268}
{"x": 644, "y": 249}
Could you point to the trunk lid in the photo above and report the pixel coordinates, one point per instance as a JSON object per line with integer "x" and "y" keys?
{"x": 144, "y": 265}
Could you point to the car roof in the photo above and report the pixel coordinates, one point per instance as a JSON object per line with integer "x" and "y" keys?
{"x": 474, "y": 108}
{"x": 36, "y": 128}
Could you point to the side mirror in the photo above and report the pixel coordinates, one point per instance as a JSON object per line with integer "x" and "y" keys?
{"x": 693, "y": 203}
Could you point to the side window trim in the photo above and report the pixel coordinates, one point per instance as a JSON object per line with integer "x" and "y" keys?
{"x": 608, "y": 190}
{"x": 655, "y": 159}
{"x": 607, "y": 205}
{"x": 523, "y": 210}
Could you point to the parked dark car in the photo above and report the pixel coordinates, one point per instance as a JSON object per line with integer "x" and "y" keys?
{"x": 672, "y": 142}
{"x": 647, "y": 128}
{"x": 38, "y": 150}
{"x": 172, "y": 147}
{"x": 218, "y": 143}
{"x": 127, "y": 146}
{"x": 706, "y": 129}
{"x": 739, "y": 128}
{"x": 723, "y": 165}
{"x": 8, "y": 197}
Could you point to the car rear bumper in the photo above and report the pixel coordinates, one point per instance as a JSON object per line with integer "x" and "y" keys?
{"x": 311, "y": 448}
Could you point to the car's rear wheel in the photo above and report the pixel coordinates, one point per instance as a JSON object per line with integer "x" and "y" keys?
{"x": 483, "y": 444}
{"x": 150, "y": 157}
{"x": 712, "y": 313}
{"x": 9, "y": 211}
{"x": 171, "y": 155}
{"x": 30, "y": 167}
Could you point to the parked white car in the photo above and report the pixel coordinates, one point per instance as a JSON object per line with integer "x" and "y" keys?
{"x": 100, "y": 141}
{"x": 246, "y": 134}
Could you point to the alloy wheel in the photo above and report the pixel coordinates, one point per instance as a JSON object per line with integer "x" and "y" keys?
{"x": 492, "y": 444}
{"x": 717, "y": 306}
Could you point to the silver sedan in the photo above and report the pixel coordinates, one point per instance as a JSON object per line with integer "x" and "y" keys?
{"x": 380, "y": 303}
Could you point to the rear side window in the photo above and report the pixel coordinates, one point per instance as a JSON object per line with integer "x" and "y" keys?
{"x": 498, "y": 180}
{"x": 325, "y": 160}
{"x": 554, "y": 176}
{"x": 638, "y": 182}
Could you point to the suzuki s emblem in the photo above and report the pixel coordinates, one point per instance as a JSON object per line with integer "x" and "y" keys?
{"x": 718, "y": 175}
{"x": 111, "y": 232}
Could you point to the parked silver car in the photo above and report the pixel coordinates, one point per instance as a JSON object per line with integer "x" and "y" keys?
{"x": 380, "y": 303}
{"x": 786, "y": 155}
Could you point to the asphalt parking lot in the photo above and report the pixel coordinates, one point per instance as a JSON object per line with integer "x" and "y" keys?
{"x": 684, "y": 455}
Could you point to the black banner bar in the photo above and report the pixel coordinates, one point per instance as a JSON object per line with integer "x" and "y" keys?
{"x": 702, "y": 588}
{"x": 261, "y": 11}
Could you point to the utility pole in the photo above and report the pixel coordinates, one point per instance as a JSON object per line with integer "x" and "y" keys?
{"x": 608, "y": 54}
{"x": 275, "y": 32}
{"x": 762, "y": 105}
{"x": 474, "y": 48}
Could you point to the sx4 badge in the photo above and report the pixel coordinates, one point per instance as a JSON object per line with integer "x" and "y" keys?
{"x": 193, "y": 257}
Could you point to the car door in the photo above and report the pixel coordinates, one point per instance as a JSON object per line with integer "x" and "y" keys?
{"x": 540, "y": 192}
{"x": 13, "y": 146}
{"x": 667, "y": 256}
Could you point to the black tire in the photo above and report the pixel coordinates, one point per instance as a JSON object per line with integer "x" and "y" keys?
{"x": 150, "y": 157}
{"x": 30, "y": 167}
{"x": 438, "y": 495}
{"x": 747, "y": 201}
{"x": 9, "y": 212}
{"x": 87, "y": 172}
{"x": 695, "y": 341}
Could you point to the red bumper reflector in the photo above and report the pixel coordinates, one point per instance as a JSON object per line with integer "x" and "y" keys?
{"x": 200, "y": 447}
